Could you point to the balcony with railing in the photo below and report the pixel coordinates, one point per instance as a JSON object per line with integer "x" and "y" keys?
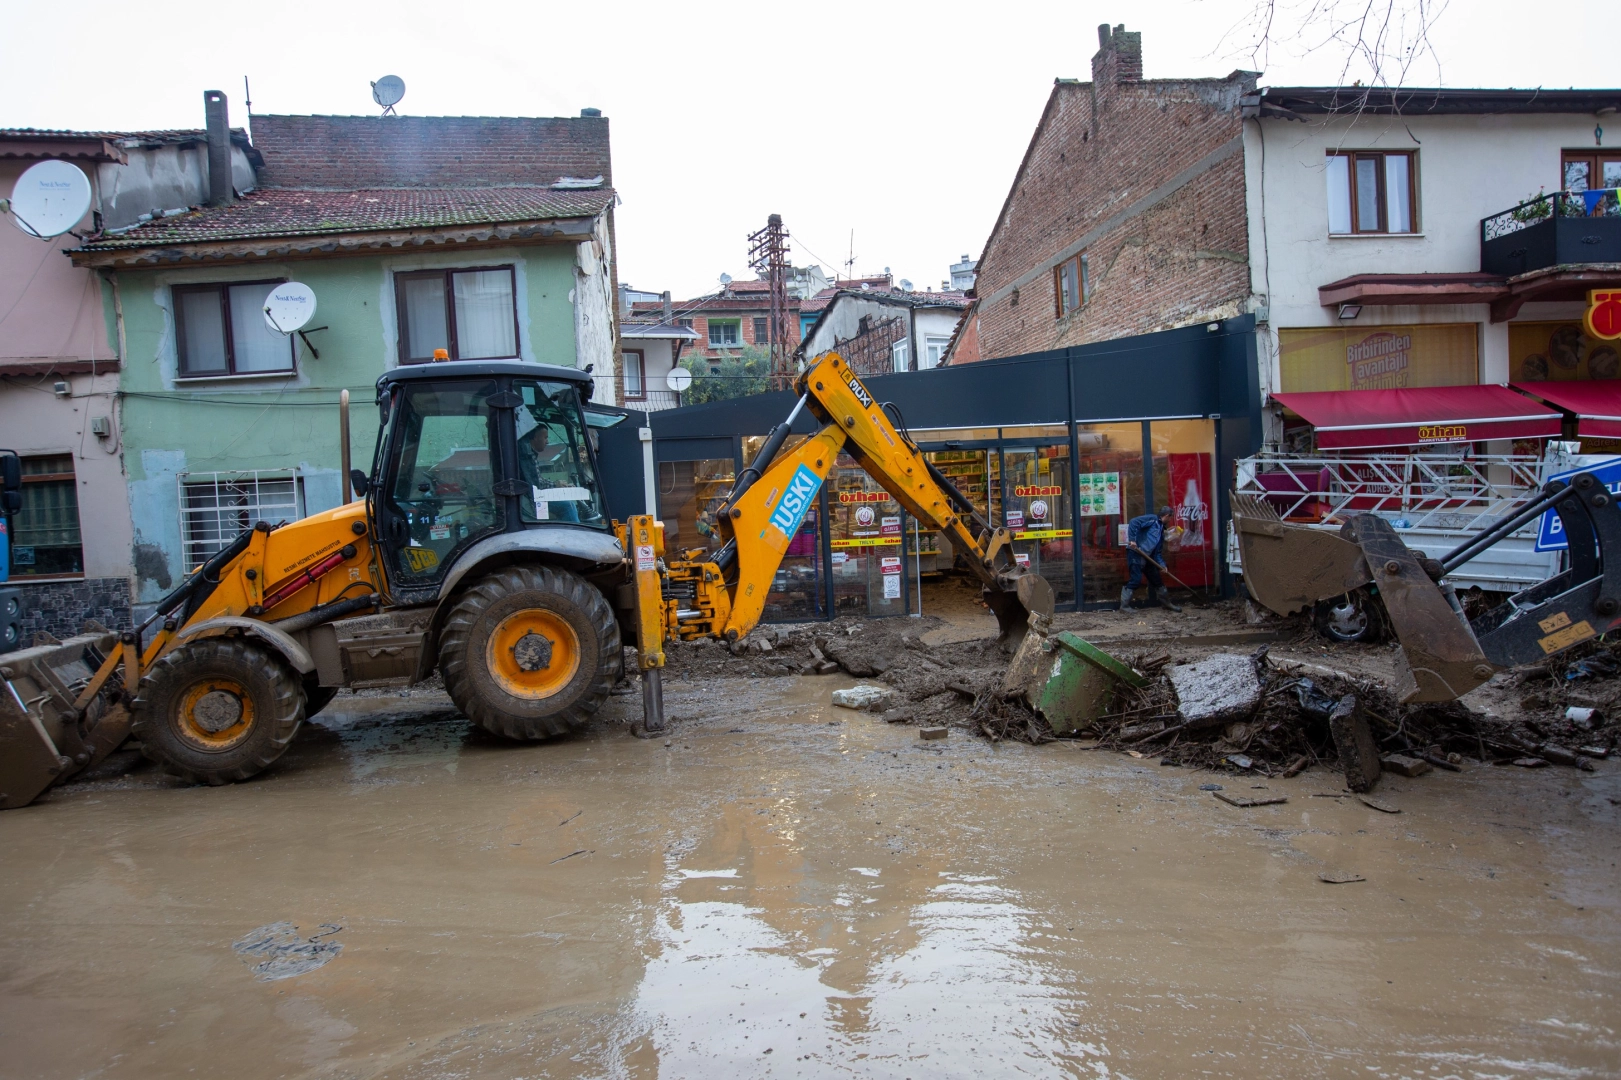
{"x": 1562, "y": 229}
{"x": 648, "y": 400}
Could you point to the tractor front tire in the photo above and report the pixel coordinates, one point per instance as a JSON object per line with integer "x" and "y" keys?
{"x": 218, "y": 710}
{"x": 530, "y": 653}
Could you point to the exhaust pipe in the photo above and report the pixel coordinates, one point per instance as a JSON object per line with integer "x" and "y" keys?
{"x": 343, "y": 444}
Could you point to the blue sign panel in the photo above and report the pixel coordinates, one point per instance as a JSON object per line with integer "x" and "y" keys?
{"x": 1551, "y": 533}
{"x": 795, "y": 501}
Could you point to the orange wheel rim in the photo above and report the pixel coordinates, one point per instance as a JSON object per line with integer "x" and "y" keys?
{"x": 214, "y": 714}
{"x": 533, "y": 654}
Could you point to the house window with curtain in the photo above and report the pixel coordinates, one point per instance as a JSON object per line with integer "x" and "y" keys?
{"x": 45, "y": 532}
{"x": 725, "y": 333}
{"x": 220, "y": 330}
{"x": 470, "y": 313}
{"x": 217, "y": 507}
{"x": 635, "y": 374}
{"x": 900, "y": 355}
{"x": 1372, "y": 192}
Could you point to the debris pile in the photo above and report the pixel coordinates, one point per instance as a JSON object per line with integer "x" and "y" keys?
{"x": 1252, "y": 713}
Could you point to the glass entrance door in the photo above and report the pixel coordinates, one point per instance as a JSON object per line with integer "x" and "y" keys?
{"x": 1037, "y": 511}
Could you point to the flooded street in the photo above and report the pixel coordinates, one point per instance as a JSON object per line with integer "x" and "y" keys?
{"x": 787, "y": 889}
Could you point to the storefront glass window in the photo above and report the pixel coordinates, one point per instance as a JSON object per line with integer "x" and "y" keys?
{"x": 869, "y": 569}
{"x": 798, "y": 591}
{"x": 955, "y": 434}
{"x": 1039, "y": 487}
{"x": 1183, "y": 454}
{"x": 968, "y": 471}
{"x": 1108, "y": 493}
{"x": 690, "y": 492}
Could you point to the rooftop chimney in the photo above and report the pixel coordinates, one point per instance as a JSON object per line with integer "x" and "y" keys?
{"x": 590, "y": 112}
{"x": 1119, "y": 57}
{"x": 220, "y": 190}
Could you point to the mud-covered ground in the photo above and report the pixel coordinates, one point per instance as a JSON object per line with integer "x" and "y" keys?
{"x": 784, "y": 888}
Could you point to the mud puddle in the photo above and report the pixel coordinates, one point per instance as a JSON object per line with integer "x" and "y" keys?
{"x": 782, "y": 888}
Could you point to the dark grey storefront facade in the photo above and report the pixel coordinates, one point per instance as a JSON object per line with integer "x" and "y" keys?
{"x": 1062, "y": 447}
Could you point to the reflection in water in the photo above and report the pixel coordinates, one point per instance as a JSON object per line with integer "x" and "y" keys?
{"x": 432, "y": 739}
{"x": 966, "y": 994}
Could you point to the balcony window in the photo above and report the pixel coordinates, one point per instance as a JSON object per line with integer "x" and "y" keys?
{"x": 635, "y": 370}
{"x": 471, "y": 314}
{"x": 220, "y": 330}
{"x": 1372, "y": 192}
{"x": 725, "y": 333}
{"x": 1588, "y": 170}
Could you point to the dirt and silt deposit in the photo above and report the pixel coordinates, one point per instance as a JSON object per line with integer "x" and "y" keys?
{"x": 785, "y": 888}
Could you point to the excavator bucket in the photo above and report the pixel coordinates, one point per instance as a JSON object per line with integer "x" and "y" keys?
{"x": 1288, "y": 568}
{"x": 1012, "y": 600}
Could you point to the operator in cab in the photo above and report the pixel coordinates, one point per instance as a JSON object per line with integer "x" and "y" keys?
{"x": 545, "y": 469}
{"x": 1145, "y": 557}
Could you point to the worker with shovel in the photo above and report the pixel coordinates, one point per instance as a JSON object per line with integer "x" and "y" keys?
{"x": 1145, "y": 555}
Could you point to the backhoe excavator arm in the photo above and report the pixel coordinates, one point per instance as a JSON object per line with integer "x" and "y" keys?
{"x": 724, "y": 594}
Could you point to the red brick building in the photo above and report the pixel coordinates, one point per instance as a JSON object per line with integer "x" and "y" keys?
{"x": 739, "y": 315}
{"x": 1127, "y": 214}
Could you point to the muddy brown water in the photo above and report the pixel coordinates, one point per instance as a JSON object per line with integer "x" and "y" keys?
{"x": 788, "y": 889}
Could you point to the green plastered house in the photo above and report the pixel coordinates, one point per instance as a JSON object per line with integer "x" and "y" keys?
{"x": 484, "y": 237}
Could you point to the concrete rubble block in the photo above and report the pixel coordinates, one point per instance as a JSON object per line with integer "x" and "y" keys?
{"x": 1402, "y": 765}
{"x": 862, "y": 697}
{"x": 826, "y": 667}
{"x": 932, "y": 732}
{"x": 1359, "y": 755}
{"x": 1216, "y": 689}
{"x": 899, "y": 715}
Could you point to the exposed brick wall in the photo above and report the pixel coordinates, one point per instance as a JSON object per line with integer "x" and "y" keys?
{"x": 345, "y": 152}
{"x": 1101, "y": 147}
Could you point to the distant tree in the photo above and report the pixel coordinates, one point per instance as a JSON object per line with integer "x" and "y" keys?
{"x": 727, "y": 376}
{"x": 1378, "y": 44}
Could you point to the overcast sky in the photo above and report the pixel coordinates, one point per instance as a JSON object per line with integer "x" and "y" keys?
{"x": 903, "y": 123}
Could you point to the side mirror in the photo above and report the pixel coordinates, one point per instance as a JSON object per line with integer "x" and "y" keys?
{"x": 360, "y": 482}
{"x": 384, "y": 400}
{"x": 11, "y": 482}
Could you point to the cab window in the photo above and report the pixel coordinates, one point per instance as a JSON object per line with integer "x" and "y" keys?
{"x": 554, "y": 462}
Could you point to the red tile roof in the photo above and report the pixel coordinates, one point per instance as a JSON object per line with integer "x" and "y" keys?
{"x": 276, "y": 212}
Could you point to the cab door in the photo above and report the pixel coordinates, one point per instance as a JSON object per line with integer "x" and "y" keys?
{"x": 437, "y": 496}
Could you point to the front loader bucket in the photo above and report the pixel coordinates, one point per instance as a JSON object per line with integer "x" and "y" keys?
{"x": 1444, "y": 659}
{"x": 42, "y": 740}
{"x": 1289, "y": 567}
{"x": 1012, "y": 600}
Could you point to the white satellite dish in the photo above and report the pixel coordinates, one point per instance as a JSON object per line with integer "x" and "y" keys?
{"x": 289, "y": 307}
{"x": 388, "y": 91}
{"x": 679, "y": 379}
{"x": 50, "y": 198}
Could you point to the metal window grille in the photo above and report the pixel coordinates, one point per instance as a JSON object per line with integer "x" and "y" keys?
{"x": 216, "y": 507}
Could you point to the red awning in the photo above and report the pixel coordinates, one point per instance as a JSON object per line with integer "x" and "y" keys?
{"x": 1596, "y": 403}
{"x": 1369, "y": 419}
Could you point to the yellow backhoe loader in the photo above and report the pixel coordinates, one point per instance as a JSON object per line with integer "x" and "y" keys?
{"x": 479, "y": 547}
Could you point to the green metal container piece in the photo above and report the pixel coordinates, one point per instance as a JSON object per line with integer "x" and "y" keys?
{"x": 1081, "y": 680}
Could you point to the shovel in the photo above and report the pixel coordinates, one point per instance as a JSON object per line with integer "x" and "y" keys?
{"x": 1193, "y": 594}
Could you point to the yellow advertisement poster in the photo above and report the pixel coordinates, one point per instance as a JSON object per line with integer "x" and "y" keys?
{"x": 1559, "y": 350}
{"x": 1378, "y": 357}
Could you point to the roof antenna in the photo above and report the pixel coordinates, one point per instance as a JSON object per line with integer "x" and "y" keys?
{"x": 247, "y": 95}
{"x": 387, "y": 92}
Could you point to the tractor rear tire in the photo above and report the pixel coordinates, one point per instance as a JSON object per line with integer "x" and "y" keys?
{"x": 530, "y": 653}
{"x": 218, "y": 710}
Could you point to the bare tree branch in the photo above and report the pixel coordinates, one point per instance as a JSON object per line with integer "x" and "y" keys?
{"x": 1377, "y": 44}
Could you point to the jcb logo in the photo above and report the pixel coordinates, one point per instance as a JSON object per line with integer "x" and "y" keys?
{"x": 860, "y": 392}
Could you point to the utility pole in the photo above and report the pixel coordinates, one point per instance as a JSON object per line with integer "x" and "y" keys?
{"x": 768, "y": 257}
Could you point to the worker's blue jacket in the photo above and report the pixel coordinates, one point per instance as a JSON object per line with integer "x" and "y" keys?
{"x": 1147, "y": 533}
